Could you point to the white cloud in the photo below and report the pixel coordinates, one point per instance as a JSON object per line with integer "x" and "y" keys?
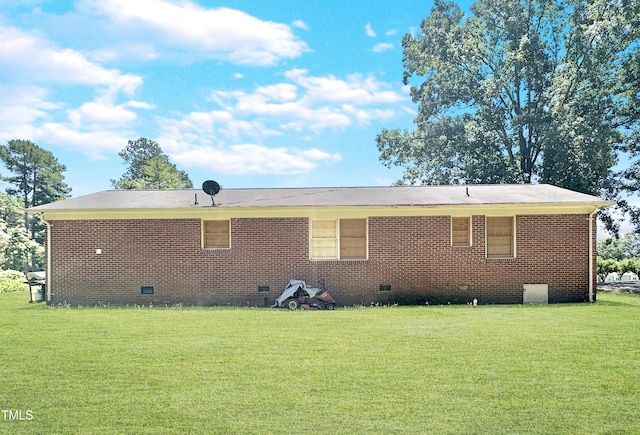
{"x": 216, "y": 125}
{"x": 356, "y": 89}
{"x": 93, "y": 144}
{"x": 37, "y": 75}
{"x": 391, "y": 32}
{"x": 221, "y": 33}
{"x": 135, "y": 50}
{"x": 366, "y": 116}
{"x": 315, "y": 154}
{"x": 26, "y": 114}
{"x": 300, "y": 25}
{"x": 138, "y": 105}
{"x": 313, "y": 103}
{"x": 251, "y": 159}
{"x": 230, "y": 139}
{"x": 383, "y": 46}
{"x": 22, "y": 106}
{"x": 369, "y": 30}
{"x": 102, "y": 115}
{"x": 27, "y": 58}
{"x": 281, "y": 92}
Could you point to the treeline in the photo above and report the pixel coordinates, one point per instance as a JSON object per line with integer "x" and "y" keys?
{"x": 34, "y": 176}
{"x": 618, "y": 255}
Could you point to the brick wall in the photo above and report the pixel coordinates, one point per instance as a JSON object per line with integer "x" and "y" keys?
{"x": 412, "y": 255}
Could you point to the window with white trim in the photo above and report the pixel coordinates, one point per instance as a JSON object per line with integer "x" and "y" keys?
{"x": 324, "y": 240}
{"x": 338, "y": 239}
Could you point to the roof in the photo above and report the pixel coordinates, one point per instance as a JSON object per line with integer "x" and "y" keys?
{"x": 403, "y": 196}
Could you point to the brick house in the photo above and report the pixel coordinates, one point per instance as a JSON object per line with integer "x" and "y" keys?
{"x": 436, "y": 244}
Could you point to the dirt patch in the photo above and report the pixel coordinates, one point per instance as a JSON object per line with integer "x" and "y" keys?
{"x": 619, "y": 287}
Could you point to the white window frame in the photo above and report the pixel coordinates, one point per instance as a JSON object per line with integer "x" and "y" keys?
{"x": 337, "y": 240}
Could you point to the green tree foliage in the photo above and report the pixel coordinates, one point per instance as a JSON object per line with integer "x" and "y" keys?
{"x": 627, "y": 265}
{"x": 619, "y": 254}
{"x": 619, "y": 248}
{"x": 606, "y": 266}
{"x": 35, "y": 178}
{"x": 522, "y": 91}
{"x": 15, "y": 245}
{"x": 11, "y": 211}
{"x": 149, "y": 168}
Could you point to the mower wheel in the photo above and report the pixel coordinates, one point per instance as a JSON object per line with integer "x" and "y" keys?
{"x": 331, "y": 306}
{"x": 293, "y": 304}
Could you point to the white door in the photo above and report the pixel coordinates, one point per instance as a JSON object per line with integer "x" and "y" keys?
{"x": 535, "y": 294}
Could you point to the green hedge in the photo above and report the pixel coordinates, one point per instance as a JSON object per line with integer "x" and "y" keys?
{"x": 12, "y": 281}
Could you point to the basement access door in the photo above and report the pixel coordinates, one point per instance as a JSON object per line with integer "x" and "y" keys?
{"x": 535, "y": 294}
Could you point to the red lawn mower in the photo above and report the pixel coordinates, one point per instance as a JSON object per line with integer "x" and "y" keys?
{"x": 297, "y": 295}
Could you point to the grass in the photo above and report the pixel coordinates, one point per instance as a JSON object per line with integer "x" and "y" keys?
{"x": 571, "y": 368}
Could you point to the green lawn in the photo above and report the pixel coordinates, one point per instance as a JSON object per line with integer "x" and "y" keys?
{"x": 434, "y": 369}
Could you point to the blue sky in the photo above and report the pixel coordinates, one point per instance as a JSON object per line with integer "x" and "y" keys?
{"x": 251, "y": 93}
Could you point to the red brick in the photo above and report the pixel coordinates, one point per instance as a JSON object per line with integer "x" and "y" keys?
{"x": 411, "y": 254}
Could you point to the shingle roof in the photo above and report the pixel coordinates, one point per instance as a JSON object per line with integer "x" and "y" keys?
{"x": 500, "y": 194}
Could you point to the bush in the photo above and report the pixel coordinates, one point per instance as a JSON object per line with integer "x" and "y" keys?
{"x": 12, "y": 281}
{"x": 606, "y": 266}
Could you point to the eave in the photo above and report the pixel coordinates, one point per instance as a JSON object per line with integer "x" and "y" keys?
{"x": 209, "y": 212}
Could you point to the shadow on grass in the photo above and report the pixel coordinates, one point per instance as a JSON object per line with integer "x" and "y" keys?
{"x": 612, "y": 299}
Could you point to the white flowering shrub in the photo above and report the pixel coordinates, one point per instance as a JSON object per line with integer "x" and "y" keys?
{"x": 12, "y": 281}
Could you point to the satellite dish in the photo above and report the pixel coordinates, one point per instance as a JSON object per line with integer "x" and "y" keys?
{"x": 212, "y": 188}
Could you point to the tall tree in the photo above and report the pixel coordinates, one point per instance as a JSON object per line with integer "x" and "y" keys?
{"x": 149, "y": 168}
{"x": 16, "y": 248}
{"x": 36, "y": 178}
{"x": 522, "y": 91}
{"x": 15, "y": 245}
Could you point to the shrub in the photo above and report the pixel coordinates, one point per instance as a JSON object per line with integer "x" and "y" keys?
{"x": 606, "y": 266}
{"x": 12, "y": 281}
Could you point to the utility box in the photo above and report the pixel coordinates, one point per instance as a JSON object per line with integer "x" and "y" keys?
{"x": 535, "y": 293}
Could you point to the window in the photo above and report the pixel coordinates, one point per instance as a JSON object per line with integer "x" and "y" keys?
{"x": 353, "y": 239}
{"x": 323, "y": 240}
{"x": 500, "y": 237}
{"x": 344, "y": 239}
{"x": 216, "y": 234}
{"x": 460, "y": 231}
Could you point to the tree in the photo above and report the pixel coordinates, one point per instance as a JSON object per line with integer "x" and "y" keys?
{"x": 606, "y": 266}
{"x": 522, "y": 91}
{"x": 11, "y": 211}
{"x": 149, "y": 168}
{"x": 15, "y": 244}
{"x": 619, "y": 248}
{"x": 627, "y": 265}
{"x": 36, "y": 178}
